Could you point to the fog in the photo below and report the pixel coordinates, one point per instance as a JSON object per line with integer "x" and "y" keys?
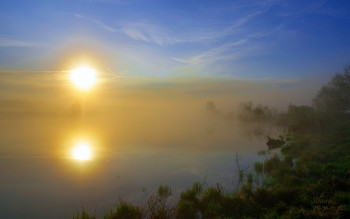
{"x": 164, "y": 114}
{"x": 143, "y": 132}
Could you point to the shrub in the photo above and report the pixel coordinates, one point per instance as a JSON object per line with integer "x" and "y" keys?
{"x": 125, "y": 210}
{"x": 84, "y": 214}
{"x": 159, "y": 206}
{"x": 186, "y": 210}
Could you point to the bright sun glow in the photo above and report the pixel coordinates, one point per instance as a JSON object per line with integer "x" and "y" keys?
{"x": 82, "y": 152}
{"x": 83, "y": 77}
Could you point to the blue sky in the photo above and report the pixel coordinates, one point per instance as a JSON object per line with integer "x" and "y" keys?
{"x": 245, "y": 39}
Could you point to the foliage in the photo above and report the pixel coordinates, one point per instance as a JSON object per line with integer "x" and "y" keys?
{"x": 335, "y": 96}
{"x": 124, "y": 210}
{"x": 259, "y": 113}
{"x": 301, "y": 119}
{"x": 84, "y": 214}
{"x": 159, "y": 204}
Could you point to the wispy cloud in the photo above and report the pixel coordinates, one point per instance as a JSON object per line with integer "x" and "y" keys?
{"x": 228, "y": 51}
{"x": 209, "y": 42}
{"x": 9, "y": 42}
{"x": 213, "y": 54}
{"x": 259, "y": 7}
{"x": 147, "y": 32}
{"x": 151, "y": 33}
{"x": 99, "y": 23}
{"x": 232, "y": 50}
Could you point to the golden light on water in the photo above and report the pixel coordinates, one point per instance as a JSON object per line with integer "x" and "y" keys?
{"x": 83, "y": 77}
{"x": 82, "y": 151}
{"x": 85, "y": 145}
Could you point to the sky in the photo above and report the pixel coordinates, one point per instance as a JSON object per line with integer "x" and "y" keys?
{"x": 252, "y": 39}
{"x": 159, "y": 63}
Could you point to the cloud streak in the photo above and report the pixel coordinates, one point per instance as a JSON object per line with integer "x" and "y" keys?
{"x": 97, "y": 22}
{"x": 8, "y": 42}
{"x": 213, "y": 54}
{"x": 149, "y": 32}
{"x": 212, "y": 43}
{"x": 146, "y": 32}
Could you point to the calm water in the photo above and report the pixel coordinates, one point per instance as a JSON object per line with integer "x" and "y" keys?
{"x": 40, "y": 179}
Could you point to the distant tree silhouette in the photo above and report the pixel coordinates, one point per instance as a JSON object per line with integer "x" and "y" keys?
{"x": 335, "y": 96}
{"x": 210, "y": 106}
{"x": 259, "y": 113}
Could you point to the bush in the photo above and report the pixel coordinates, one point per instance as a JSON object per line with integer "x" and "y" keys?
{"x": 186, "y": 210}
{"x": 264, "y": 198}
{"x": 125, "y": 210}
{"x": 159, "y": 206}
{"x": 84, "y": 214}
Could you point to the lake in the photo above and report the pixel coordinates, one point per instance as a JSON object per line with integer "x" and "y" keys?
{"x": 131, "y": 157}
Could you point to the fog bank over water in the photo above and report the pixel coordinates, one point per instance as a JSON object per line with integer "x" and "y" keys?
{"x": 143, "y": 132}
{"x": 138, "y": 113}
{"x": 39, "y": 90}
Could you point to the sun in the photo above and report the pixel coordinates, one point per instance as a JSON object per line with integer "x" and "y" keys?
{"x": 83, "y": 77}
{"x": 82, "y": 151}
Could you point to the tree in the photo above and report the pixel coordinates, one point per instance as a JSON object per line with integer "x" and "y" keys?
{"x": 335, "y": 96}
{"x": 301, "y": 119}
{"x": 210, "y": 107}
